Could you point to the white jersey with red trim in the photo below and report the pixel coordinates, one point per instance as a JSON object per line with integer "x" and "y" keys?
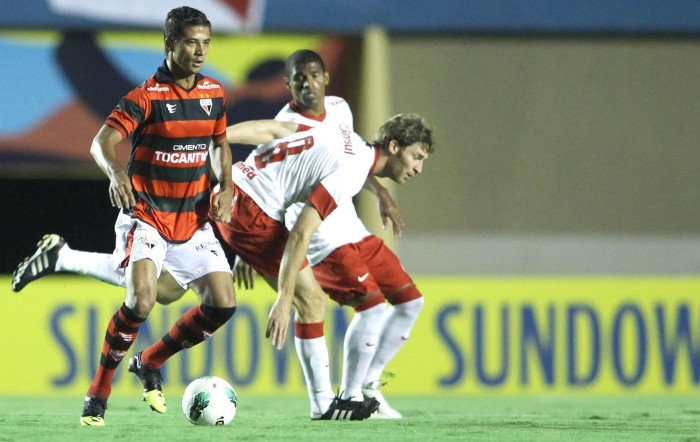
{"x": 327, "y": 165}
{"x": 342, "y": 226}
{"x": 337, "y": 111}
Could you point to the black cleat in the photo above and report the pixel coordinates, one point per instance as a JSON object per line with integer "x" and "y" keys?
{"x": 346, "y": 409}
{"x": 152, "y": 383}
{"x": 93, "y": 411}
{"x": 40, "y": 264}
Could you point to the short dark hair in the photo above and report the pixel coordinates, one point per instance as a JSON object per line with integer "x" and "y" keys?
{"x": 405, "y": 129}
{"x": 302, "y": 56}
{"x": 180, "y": 18}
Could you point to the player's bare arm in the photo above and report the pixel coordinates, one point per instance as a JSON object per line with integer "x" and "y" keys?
{"x": 259, "y": 131}
{"x": 221, "y": 165}
{"x": 293, "y": 258}
{"x": 102, "y": 150}
{"x": 388, "y": 209}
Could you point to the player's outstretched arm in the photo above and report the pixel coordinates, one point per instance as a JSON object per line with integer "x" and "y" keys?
{"x": 259, "y": 131}
{"x": 292, "y": 259}
{"x": 388, "y": 209}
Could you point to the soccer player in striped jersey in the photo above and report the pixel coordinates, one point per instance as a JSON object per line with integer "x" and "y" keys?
{"x": 177, "y": 120}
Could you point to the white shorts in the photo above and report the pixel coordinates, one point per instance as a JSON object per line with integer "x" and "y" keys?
{"x": 200, "y": 255}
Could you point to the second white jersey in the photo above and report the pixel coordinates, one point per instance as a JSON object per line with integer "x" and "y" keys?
{"x": 327, "y": 165}
{"x": 342, "y": 226}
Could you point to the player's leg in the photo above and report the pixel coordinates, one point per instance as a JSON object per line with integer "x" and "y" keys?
{"x": 397, "y": 322}
{"x": 310, "y": 341}
{"x": 169, "y": 290}
{"x": 360, "y": 344}
{"x": 94, "y": 264}
{"x": 191, "y": 264}
{"x": 141, "y": 280}
{"x": 347, "y": 280}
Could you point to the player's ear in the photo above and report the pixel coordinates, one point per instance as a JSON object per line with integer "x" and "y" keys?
{"x": 326, "y": 78}
{"x": 394, "y": 147}
{"x": 169, "y": 44}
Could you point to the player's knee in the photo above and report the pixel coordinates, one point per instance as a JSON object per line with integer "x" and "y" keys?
{"x": 406, "y": 294}
{"x": 218, "y": 314}
{"x": 367, "y": 301}
{"x": 141, "y": 303}
{"x": 215, "y": 289}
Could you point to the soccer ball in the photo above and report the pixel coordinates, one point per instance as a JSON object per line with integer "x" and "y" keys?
{"x": 209, "y": 400}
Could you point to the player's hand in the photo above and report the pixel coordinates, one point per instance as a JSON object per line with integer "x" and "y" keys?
{"x": 120, "y": 191}
{"x": 221, "y": 204}
{"x": 389, "y": 210}
{"x": 243, "y": 274}
{"x": 278, "y": 324}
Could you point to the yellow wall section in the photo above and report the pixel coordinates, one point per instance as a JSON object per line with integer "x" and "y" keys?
{"x": 474, "y": 336}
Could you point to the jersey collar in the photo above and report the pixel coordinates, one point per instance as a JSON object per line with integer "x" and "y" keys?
{"x": 304, "y": 114}
{"x": 163, "y": 75}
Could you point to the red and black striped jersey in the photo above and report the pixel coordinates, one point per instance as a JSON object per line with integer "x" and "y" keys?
{"x": 171, "y": 129}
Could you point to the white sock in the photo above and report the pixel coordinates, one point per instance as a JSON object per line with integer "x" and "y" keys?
{"x": 397, "y": 323}
{"x": 313, "y": 355}
{"x": 97, "y": 265}
{"x": 358, "y": 349}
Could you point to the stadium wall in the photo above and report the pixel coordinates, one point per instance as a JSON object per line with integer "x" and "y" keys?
{"x": 555, "y": 155}
{"x": 474, "y": 336}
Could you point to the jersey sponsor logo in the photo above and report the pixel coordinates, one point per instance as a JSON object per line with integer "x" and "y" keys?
{"x": 206, "y": 85}
{"x": 171, "y": 107}
{"x": 363, "y": 277}
{"x": 347, "y": 140}
{"x": 247, "y": 170}
{"x": 179, "y": 158}
{"x": 206, "y": 104}
{"x": 200, "y": 146}
{"x": 158, "y": 88}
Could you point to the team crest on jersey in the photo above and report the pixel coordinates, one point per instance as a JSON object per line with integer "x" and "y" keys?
{"x": 206, "y": 104}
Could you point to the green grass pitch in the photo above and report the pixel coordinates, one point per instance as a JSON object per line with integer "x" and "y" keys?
{"x": 536, "y": 418}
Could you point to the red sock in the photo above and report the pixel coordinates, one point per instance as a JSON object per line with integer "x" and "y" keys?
{"x": 121, "y": 333}
{"x": 196, "y": 325}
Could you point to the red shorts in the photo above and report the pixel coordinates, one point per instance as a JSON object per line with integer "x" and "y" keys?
{"x": 362, "y": 268}
{"x": 256, "y": 238}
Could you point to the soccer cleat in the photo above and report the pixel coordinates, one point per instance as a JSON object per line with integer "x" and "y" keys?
{"x": 346, "y": 409}
{"x": 384, "y": 411}
{"x": 93, "y": 411}
{"x": 152, "y": 383}
{"x": 40, "y": 264}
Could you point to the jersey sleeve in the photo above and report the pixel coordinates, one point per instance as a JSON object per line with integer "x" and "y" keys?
{"x": 221, "y": 123}
{"x": 335, "y": 189}
{"x": 132, "y": 109}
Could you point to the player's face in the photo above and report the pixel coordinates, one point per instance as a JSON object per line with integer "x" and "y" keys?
{"x": 307, "y": 83}
{"x": 405, "y": 163}
{"x": 190, "y": 50}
